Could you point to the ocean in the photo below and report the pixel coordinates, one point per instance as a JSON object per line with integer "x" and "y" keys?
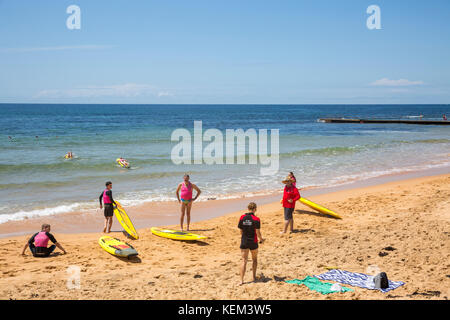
{"x": 36, "y": 180}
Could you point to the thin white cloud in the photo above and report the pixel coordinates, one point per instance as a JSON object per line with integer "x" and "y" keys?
{"x": 55, "y": 48}
{"x": 385, "y": 82}
{"x": 121, "y": 90}
{"x": 164, "y": 94}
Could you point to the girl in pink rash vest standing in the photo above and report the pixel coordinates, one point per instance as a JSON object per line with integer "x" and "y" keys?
{"x": 186, "y": 188}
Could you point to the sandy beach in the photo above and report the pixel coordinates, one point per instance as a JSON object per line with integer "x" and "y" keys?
{"x": 411, "y": 216}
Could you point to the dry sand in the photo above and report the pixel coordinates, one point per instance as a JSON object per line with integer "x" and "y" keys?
{"x": 412, "y": 216}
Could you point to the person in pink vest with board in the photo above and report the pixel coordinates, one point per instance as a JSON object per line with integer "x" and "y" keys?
{"x": 39, "y": 241}
{"x": 108, "y": 202}
{"x": 186, "y": 188}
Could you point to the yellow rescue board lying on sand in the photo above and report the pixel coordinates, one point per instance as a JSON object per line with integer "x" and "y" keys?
{"x": 117, "y": 247}
{"x": 176, "y": 235}
{"x": 319, "y": 208}
{"x": 125, "y": 221}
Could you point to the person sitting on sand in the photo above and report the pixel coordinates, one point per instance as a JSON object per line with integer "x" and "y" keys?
{"x": 108, "y": 201}
{"x": 290, "y": 197}
{"x": 39, "y": 241}
{"x": 250, "y": 226}
{"x": 186, "y": 199}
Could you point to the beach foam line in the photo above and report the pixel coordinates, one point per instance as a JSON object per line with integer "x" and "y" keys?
{"x": 144, "y": 197}
{"x": 347, "y": 179}
{"x": 139, "y": 198}
{"x": 22, "y": 215}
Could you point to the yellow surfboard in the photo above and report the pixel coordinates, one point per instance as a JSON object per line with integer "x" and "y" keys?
{"x": 176, "y": 235}
{"x": 319, "y": 208}
{"x": 122, "y": 164}
{"x": 116, "y": 247}
{"x": 125, "y": 221}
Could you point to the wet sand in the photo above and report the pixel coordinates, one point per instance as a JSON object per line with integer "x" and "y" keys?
{"x": 411, "y": 216}
{"x": 151, "y": 214}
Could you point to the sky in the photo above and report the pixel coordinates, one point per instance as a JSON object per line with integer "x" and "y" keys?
{"x": 214, "y": 52}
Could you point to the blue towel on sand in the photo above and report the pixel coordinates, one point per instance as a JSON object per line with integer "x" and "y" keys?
{"x": 316, "y": 285}
{"x": 356, "y": 279}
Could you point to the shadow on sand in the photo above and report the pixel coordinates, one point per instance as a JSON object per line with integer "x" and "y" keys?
{"x": 201, "y": 230}
{"x": 316, "y": 214}
{"x": 303, "y": 230}
{"x": 197, "y": 242}
{"x": 134, "y": 259}
{"x": 279, "y": 279}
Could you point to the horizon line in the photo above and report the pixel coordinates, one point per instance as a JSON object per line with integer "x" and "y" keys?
{"x": 226, "y": 104}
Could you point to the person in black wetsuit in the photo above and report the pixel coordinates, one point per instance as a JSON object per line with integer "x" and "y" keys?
{"x": 250, "y": 226}
{"x": 38, "y": 243}
{"x": 108, "y": 201}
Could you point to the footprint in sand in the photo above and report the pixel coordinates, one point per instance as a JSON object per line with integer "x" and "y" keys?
{"x": 50, "y": 267}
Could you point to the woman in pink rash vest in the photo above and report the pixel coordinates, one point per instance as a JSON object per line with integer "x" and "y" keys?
{"x": 186, "y": 199}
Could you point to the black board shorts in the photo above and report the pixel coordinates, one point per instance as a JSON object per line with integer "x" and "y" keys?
{"x": 109, "y": 210}
{"x": 288, "y": 213}
{"x": 39, "y": 252}
{"x": 249, "y": 245}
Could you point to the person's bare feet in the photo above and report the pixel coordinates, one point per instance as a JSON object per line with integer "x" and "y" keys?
{"x": 104, "y": 229}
